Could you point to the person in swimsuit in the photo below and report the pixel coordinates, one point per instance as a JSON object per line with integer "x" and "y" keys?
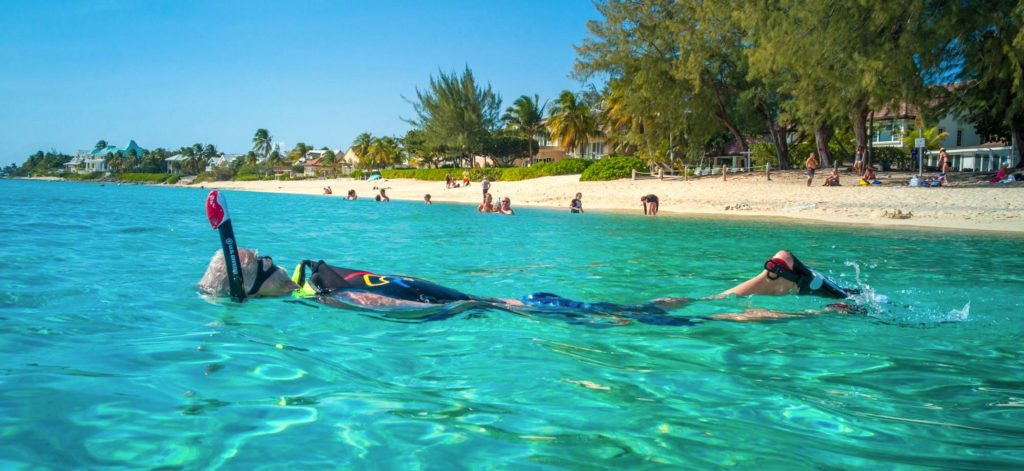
{"x": 345, "y": 287}
{"x": 576, "y": 205}
{"x": 811, "y": 165}
{"x": 650, "y": 203}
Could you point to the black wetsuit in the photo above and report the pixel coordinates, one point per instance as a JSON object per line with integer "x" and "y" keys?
{"x": 327, "y": 280}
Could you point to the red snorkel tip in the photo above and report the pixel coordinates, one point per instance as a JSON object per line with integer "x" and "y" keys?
{"x": 216, "y": 209}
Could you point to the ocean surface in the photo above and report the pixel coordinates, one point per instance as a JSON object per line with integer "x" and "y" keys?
{"x": 110, "y": 358}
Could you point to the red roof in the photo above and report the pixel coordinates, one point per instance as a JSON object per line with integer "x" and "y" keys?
{"x": 312, "y": 163}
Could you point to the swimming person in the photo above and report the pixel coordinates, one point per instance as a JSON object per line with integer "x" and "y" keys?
{"x": 351, "y": 195}
{"x": 344, "y": 287}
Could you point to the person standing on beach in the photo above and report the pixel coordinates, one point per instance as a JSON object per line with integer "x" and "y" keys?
{"x": 812, "y": 165}
{"x": 448, "y": 181}
{"x": 486, "y": 184}
{"x": 858, "y": 161}
{"x": 944, "y": 164}
{"x": 576, "y": 205}
{"x": 650, "y": 203}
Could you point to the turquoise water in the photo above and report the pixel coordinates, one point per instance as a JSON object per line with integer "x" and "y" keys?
{"x": 110, "y": 358}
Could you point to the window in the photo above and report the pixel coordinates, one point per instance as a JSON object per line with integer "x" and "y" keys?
{"x": 959, "y": 137}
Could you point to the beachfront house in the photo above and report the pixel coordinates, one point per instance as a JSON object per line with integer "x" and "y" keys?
{"x": 175, "y": 163}
{"x": 551, "y": 150}
{"x": 77, "y": 163}
{"x": 222, "y": 160}
{"x": 968, "y": 151}
{"x": 96, "y": 160}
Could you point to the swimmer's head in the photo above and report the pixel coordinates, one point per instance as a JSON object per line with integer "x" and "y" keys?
{"x": 275, "y": 280}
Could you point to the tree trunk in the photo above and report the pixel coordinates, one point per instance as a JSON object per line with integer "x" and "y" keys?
{"x": 723, "y": 117}
{"x": 860, "y": 130}
{"x": 870, "y": 148}
{"x": 822, "y": 135}
{"x": 1017, "y": 141}
{"x": 778, "y": 134}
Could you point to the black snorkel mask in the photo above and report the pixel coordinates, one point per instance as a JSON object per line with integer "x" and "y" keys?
{"x": 265, "y": 268}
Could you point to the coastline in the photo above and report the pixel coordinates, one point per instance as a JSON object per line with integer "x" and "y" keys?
{"x": 967, "y": 207}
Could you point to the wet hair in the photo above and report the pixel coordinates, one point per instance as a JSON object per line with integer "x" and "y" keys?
{"x": 215, "y": 280}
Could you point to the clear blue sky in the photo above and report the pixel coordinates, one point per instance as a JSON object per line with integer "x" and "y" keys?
{"x": 173, "y": 73}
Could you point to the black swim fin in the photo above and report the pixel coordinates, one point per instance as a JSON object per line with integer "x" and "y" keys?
{"x": 812, "y": 282}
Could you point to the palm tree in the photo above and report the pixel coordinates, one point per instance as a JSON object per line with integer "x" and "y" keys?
{"x": 526, "y": 119}
{"x": 361, "y": 147}
{"x": 262, "y": 143}
{"x": 330, "y": 162}
{"x": 101, "y": 144}
{"x": 571, "y": 121}
{"x": 384, "y": 152}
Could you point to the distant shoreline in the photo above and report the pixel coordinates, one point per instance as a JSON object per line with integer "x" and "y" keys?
{"x": 997, "y": 208}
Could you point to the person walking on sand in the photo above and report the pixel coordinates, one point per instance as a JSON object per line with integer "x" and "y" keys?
{"x": 448, "y": 181}
{"x": 812, "y": 165}
{"x": 576, "y": 205}
{"x": 486, "y": 184}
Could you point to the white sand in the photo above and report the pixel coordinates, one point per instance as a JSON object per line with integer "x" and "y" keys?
{"x": 965, "y": 207}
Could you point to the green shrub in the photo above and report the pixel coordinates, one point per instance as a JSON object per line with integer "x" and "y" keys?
{"x": 142, "y": 177}
{"x": 248, "y": 177}
{"x": 890, "y": 157}
{"x": 568, "y": 166}
{"x": 83, "y": 176}
{"x": 612, "y": 168}
{"x": 357, "y": 174}
{"x": 172, "y": 179}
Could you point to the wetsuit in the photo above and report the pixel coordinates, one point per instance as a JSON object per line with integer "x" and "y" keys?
{"x": 320, "y": 279}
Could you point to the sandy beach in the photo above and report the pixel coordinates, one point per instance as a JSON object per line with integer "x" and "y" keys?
{"x": 964, "y": 207}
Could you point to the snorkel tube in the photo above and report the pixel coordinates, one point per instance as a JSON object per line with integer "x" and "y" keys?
{"x": 217, "y": 213}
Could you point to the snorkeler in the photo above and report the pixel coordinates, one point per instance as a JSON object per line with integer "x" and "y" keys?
{"x": 782, "y": 274}
{"x": 242, "y": 272}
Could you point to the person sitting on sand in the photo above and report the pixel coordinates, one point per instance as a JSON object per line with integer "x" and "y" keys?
{"x": 487, "y": 206}
{"x": 869, "y": 178}
{"x": 833, "y": 178}
{"x": 426, "y": 199}
{"x": 576, "y": 205}
{"x": 351, "y": 195}
{"x": 344, "y": 287}
{"x": 505, "y": 207}
{"x": 328, "y": 190}
{"x": 1003, "y": 175}
{"x": 650, "y": 203}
